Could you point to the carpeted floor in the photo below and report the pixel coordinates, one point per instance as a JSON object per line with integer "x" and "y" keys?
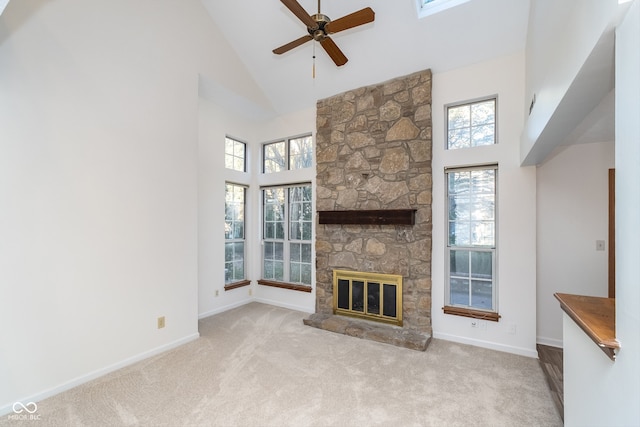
{"x": 258, "y": 365}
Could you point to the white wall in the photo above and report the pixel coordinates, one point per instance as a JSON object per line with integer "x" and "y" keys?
{"x": 572, "y": 205}
{"x": 516, "y": 206}
{"x": 598, "y": 391}
{"x": 215, "y": 123}
{"x": 98, "y": 182}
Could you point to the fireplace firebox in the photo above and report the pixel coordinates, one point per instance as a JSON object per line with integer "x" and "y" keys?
{"x": 371, "y": 296}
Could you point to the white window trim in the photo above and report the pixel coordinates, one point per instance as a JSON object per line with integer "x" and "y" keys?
{"x": 447, "y": 260}
{"x": 287, "y": 147}
{"x": 468, "y": 102}
{"x": 286, "y": 251}
{"x": 246, "y": 154}
{"x": 244, "y": 239}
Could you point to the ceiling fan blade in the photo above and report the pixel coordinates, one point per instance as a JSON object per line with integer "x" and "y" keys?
{"x": 354, "y": 19}
{"x": 287, "y": 47}
{"x": 302, "y": 14}
{"x": 334, "y": 51}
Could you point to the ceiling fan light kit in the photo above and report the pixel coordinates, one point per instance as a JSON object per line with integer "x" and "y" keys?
{"x": 319, "y": 26}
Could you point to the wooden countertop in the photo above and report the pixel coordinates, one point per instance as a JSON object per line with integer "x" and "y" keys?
{"x": 596, "y": 316}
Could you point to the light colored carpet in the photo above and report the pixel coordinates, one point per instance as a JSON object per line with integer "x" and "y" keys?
{"x": 258, "y": 365}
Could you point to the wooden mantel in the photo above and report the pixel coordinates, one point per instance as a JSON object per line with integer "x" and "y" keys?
{"x": 596, "y": 316}
{"x": 369, "y": 217}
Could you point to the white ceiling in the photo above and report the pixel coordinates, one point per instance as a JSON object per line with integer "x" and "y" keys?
{"x": 396, "y": 44}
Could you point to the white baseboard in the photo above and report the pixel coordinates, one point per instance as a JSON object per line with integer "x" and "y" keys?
{"x": 550, "y": 342}
{"x": 224, "y": 308}
{"x": 487, "y": 344}
{"x": 283, "y": 305}
{"x": 8, "y": 408}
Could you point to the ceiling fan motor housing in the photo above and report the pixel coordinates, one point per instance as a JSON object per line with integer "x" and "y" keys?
{"x": 319, "y": 33}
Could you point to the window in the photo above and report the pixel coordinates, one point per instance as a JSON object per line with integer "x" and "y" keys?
{"x": 472, "y": 124}
{"x": 287, "y": 233}
{"x": 234, "y": 234}
{"x": 290, "y": 154}
{"x": 235, "y": 155}
{"x": 429, "y": 7}
{"x": 471, "y": 245}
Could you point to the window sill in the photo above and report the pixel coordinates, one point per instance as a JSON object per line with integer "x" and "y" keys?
{"x": 236, "y": 285}
{"x": 468, "y": 312}
{"x": 284, "y": 285}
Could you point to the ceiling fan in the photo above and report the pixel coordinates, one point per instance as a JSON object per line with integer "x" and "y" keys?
{"x": 320, "y": 26}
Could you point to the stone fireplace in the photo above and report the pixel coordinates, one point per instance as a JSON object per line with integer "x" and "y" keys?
{"x": 373, "y": 197}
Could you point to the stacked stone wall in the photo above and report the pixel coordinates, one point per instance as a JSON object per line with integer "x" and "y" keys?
{"x": 373, "y": 151}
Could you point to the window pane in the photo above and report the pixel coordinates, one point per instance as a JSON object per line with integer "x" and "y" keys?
{"x": 234, "y": 154}
{"x": 273, "y": 211}
{"x": 234, "y": 211}
{"x": 482, "y": 207}
{"x": 295, "y": 252}
{"x": 234, "y": 262}
{"x": 300, "y": 213}
{"x": 482, "y": 233}
{"x": 228, "y": 252}
{"x": 459, "y": 117}
{"x": 459, "y": 263}
{"x": 459, "y": 208}
{"x": 459, "y": 138}
{"x": 471, "y": 125}
{"x": 483, "y": 181}
{"x": 275, "y": 157}
{"x": 305, "y": 274}
{"x": 483, "y": 113}
{"x": 295, "y": 273}
{"x": 482, "y": 265}
{"x": 305, "y": 252}
{"x": 301, "y": 152}
{"x": 482, "y": 135}
{"x": 459, "y": 233}
{"x": 459, "y": 291}
{"x": 481, "y": 295}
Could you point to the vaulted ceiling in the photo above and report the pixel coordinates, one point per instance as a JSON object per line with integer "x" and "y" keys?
{"x": 398, "y": 42}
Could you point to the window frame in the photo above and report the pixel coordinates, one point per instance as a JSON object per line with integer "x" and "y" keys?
{"x": 236, "y": 282}
{"x": 461, "y": 309}
{"x": 426, "y": 8}
{"x": 471, "y": 102}
{"x": 287, "y": 153}
{"x": 228, "y": 138}
{"x": 287, "y": 241}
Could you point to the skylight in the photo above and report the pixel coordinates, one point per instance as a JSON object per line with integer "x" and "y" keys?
{"x": 430, "y": 7}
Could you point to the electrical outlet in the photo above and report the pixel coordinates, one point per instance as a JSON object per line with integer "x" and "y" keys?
{"x": 599, "y": 245}
{"x": 160, "y": 322}
{"x": 217, "y": 292}
{"x": 250, "y": 291}
{"x": 474, "y": 323}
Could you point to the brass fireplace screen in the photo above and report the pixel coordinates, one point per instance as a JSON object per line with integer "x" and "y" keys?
{"x": 370, "y": 296}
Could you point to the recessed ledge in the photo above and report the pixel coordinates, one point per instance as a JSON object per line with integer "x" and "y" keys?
{"x": 596, "y": 316}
